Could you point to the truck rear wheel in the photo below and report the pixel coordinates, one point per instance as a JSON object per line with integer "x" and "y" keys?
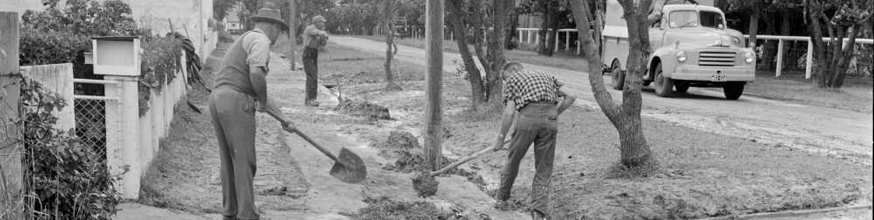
{"x": 733, "y": 90}
{"x": 618, "y": 77}
{"x": 664, "y": 86}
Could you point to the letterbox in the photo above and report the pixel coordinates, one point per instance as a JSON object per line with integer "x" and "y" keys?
{"x": 117, "y": 56}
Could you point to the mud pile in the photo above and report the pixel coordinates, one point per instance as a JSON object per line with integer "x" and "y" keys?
{"x": 364, "y": 109}
{"x": 385, "y": 209}
{"x": 425, "y": 185}
{"x": 397, "y": 142}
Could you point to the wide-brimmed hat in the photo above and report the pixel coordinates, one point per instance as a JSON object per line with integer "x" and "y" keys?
{"x": 271, "y": 15}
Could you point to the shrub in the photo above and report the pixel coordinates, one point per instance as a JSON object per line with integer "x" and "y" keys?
{"x": 40, "y": 47}
{"x": 56, "y": 36}
{"x": 159, "y": 65}
{"x": 67, "y": 180}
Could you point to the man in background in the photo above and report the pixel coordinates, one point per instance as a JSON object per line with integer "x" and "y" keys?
{"x": 314, "y": 38}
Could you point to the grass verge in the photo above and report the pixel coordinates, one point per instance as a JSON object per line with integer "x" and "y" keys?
{"x": 856, "y": 95}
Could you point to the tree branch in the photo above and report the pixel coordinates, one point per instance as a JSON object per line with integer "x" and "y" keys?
{"x": 604, "y": 99}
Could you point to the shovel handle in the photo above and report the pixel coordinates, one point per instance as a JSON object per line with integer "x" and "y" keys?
{"x": 463, "y": 160}
{"x": 279, "y": 117}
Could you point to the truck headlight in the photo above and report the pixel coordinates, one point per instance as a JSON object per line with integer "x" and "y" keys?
{"x": 749, "y": 57}
{"x": 681, "y": 56}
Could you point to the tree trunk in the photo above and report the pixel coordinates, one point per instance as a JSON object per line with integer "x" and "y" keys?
{"x": 292, "y": 40}
{"x": 786, "y": 30}
{"x": 770, "y": 48}
{"x": 496, "y": 49}
{"x": 510, "y": 41}
{"x": 754, "y": 25}
{"x": 846, "y": 55}
{"x": 634, "y": 149}
{"x": 547, "y": 29}
{"x": 599, "y": 19}
{"x": 391, "y": 48}
{"x": 456, "y": 22}
{"x": 433, "y": 92}
{"x": 815, "y": 29}
{"x": 635, "y": 152}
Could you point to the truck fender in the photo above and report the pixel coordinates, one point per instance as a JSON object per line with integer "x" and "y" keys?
{"x": 667, "y": 57}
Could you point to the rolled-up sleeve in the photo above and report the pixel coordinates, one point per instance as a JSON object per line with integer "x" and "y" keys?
{"x": 257, "y": 46}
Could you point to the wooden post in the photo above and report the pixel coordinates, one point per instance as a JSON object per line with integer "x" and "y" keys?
{"x": 434, "y": 66}
{"x": 11, "y": 177}
{"x": 809, "y": 68}
{"x": 567, "y": 40}
{"x": 536, "y": 38}
{"x": 779, "y": 57}
{"x": 292, "y": 20}
{"x": 556, "y": 40}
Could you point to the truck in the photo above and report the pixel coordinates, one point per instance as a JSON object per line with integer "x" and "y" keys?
{"x": 690, "y": 45}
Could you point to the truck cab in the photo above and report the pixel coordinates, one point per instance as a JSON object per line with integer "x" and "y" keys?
{"x": 690, "y": 45}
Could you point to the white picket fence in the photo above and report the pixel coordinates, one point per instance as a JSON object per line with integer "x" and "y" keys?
{"x": 112, "y": 121}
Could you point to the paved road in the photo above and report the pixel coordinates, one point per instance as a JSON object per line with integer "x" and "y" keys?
{"x": 835, "y": 132}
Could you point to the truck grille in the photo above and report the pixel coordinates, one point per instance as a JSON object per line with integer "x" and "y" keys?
{"x": 716, "y": 58}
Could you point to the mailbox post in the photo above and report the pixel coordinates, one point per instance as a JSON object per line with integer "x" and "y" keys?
{"x": 118, "y": 60}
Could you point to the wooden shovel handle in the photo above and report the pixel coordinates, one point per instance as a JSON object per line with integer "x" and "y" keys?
{"x": 464, "y": 160}
{"x": 279, "y": 117}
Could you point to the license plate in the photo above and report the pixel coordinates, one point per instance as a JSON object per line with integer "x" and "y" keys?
{"x": 717, "y": 78}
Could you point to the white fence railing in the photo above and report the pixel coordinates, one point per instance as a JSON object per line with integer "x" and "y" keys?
{"x": 530, "y": 36}
{"x": 808, "y": 69}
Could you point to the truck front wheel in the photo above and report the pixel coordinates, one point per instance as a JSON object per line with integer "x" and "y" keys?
{"x": 664, "y": 86}
{"x": 733, "y": 90}
{"x": 618, "y": 78}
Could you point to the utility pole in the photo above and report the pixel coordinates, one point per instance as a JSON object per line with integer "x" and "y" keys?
{"x": 12, "y": 179}
{"x": 292, "y": 29}
{"x": 434, "y": 78}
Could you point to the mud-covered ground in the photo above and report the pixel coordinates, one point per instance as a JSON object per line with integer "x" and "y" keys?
{"x": 703, "y": 174}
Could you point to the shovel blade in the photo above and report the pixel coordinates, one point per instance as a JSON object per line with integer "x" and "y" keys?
{"x": 350, "y": 168}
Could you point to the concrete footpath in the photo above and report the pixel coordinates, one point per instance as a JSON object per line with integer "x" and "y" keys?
{"x": 134, "y": 211}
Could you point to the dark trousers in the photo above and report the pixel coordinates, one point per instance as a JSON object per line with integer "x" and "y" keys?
{"x": 536, "y": 124}
{"x": 311, "y": 67}
{"x": 233, "y": 116}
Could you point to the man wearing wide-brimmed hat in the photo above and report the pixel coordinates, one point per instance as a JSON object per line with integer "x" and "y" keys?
{"x": 314, "y": 37}
{"x": 240, "y": 90}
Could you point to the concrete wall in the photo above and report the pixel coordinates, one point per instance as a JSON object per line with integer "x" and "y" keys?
{"x": 19, "y": 6}
{"x": 189, "y": 17}
{"x": 57, "y": 78}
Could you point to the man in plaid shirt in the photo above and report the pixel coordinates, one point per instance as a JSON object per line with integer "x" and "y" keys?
{"x": 536, "y": 99}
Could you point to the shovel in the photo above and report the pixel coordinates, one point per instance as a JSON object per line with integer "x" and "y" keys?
{"x": 425, "y": 184}
{"x": 348, "y": 167}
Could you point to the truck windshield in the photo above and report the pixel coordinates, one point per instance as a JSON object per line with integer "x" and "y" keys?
{"x": 680, "y": 19}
